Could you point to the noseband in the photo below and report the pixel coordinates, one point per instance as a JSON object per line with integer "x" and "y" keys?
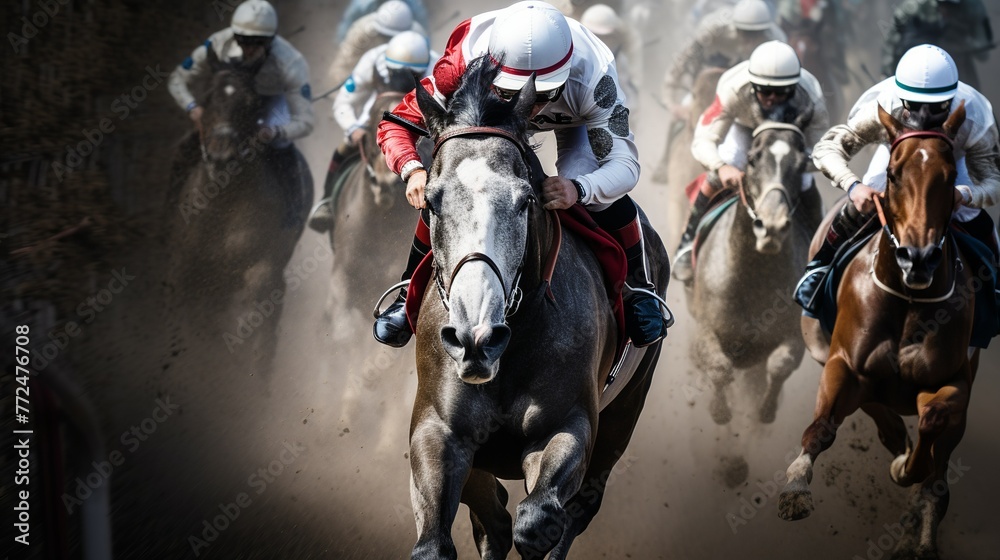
{"x": 771, "y": 125}
{"x": 512, "y": 301}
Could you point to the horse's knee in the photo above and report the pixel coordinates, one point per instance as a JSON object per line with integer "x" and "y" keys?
{"x": 934, "y": 418}
{"x": 783, "y": 361}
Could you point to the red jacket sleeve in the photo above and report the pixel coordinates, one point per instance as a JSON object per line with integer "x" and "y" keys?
{"x": 399, "y": 144}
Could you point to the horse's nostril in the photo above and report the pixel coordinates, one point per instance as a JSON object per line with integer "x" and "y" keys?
{"x": 934, "y": 258}
{"x": 905, "y": 254}
{"x": 785, "y": 226}
{"x": 495, "y": 343}
{"x": 452, "y": 345}
{"x": 759, "y": 229}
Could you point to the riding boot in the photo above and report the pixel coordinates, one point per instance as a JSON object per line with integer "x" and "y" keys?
{"x": 846, "y": 224}
{"x": 682, "y": 262}
{"x": 321, "y": 219}
{"x": 392, "y": 327}
{"x": 644, "y": 322}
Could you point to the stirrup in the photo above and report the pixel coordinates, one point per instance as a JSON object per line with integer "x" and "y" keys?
{"x": 377, "y": 312}
{"x": 668, "y": 320}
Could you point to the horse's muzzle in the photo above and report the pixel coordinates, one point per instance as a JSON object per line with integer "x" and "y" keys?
{"x": 918, "y": 265}
{"x": 771, "y": 236}
{"x": 476, "y": 351}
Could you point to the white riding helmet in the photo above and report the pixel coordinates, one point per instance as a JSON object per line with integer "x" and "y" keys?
{"x": 752, "y": 15}
{"x": 532, "y": 37}
{"x": 255, "y": 18}
{"x": 393, "y": 17}
{"x": 601, "y": 19}
{"x": 408, "y": 50}
{"x": 775, "y": 64}
{"x": 926, "y": 74}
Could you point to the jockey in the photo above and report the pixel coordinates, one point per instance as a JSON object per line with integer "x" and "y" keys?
{"x": 770, "y": 86}
{"x": 625, "y": 45}
{"x": 724, "y": 38}
{"x": 926, "y": 85}
{"x": 578, "y": 97}
{"x": 961, "y": 27}
{"x": 360, "y": 8}
{"x": 370, "y": 31}
{"x": 395, "y": 66}
{"x": 281, "y": 78}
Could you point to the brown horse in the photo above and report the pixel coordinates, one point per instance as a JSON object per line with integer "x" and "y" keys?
{"x": 883, "y": 357}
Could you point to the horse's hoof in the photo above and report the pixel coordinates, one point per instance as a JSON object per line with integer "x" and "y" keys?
{"x": 795, "y": 504}
{"x": 897, "y": 469}
{"x": 767, "y": 413}
{"x": 732, "y": 471}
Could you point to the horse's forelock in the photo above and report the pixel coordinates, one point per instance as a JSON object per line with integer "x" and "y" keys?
{"x": 475, "y": 104}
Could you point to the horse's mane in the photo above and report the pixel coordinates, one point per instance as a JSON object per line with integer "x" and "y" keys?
{"x": 475, "y": 104}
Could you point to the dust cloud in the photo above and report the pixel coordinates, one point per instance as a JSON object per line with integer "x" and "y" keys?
{"x": 308, "y": 458}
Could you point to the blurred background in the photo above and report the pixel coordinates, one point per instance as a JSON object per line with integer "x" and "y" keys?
{"x": 151, "y": 423}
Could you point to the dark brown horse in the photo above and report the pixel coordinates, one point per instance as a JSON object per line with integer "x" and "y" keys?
{"x": 231, "y": 236}
{"x": 900, "y": 339}
{"x": 510, "y": 374}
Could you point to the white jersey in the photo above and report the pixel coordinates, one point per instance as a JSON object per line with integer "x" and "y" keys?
{"x": 284, "y": 72}
{"x": 736, "y": 103}
{"x": 590, "y": 118}
{"x": 355, "y": 98}
{"x": 976, "y": 141}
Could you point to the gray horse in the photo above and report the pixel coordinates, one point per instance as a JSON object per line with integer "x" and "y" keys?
{"x": 746, "y": 269}
{"x": 510, "y": 374}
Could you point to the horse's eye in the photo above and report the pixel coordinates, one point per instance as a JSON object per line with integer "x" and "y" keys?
{"x": 529, "y": 200}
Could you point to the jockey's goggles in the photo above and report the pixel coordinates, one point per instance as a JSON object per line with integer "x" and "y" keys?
{"x": 540, "y": 97}
{"x": 935, "y": 108}
{"x": 252, "y": 40}
{"x": 780, "y": 91}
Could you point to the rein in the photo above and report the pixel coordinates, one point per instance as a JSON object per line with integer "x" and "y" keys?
{"x": 895, "y": 242}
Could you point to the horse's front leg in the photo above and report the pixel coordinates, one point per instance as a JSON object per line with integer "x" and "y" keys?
{"x": 711, "y": 358}
{"x": 838, "y": 397}
{"x": 940, "y": 429}
{"x": 780, "y": 365}
{"x": 553, "y": 472}
{"x": 439, "y": 467}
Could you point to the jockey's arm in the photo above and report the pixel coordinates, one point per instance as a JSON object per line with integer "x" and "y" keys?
{"x": 179, "y": 83}
{"x": 355, "y": 93}
{"x": 398, "y": 143}
{"x": 298, "y": 96}
{"x": 842, "y": 142}
{"x": 713, "y": 125}
{"x": 819, "y": 123}
{"x": 352, "y": 48}
{"x": 982, "y": 159}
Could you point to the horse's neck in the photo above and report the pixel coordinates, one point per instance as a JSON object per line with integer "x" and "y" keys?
{"x": 742, "y": 242}
{"x": 540, "y": 239}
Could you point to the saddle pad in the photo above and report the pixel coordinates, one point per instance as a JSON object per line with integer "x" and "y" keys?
{"x": 575, "y": 219}
{"x": 978, "y": 257}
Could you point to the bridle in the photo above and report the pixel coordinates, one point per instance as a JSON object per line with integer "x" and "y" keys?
{"x": 895, "y": 242}
{"x": 771, "y": 125}
{"x": 512, "y": 300}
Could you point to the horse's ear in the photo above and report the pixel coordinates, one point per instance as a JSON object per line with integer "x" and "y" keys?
{"x": 524, "y": 100}
{"x": 955, "y": 120}
{"x": 892, "y": 126}
{"x": 434, "y": 113}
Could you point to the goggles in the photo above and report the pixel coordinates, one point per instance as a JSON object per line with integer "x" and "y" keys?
{"x": 252, "y": 41}
{"x": 540, "y": 97}
{"x": 935, "y": 108}
{"x": 780, "y": 91}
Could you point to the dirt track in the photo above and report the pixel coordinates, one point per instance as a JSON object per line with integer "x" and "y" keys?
{"x": 334, "y": 432}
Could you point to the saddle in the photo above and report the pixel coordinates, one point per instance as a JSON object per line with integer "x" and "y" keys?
{"x": 979, "y": 257}
{"x": 716, "y": 208}
{"x": 339, "y": 179}
{"x": 575, "y": 219}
